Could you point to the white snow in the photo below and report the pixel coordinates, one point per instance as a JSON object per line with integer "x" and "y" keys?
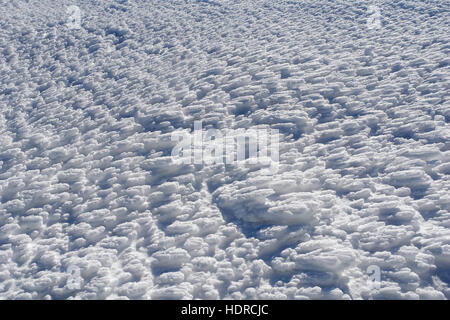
{"x": 94, "y": 206}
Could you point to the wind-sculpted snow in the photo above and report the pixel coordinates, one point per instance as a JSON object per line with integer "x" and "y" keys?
{"x": 94, "y": 206}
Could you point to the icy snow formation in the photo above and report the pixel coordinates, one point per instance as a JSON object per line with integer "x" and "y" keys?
{"x": 92, "y": 205}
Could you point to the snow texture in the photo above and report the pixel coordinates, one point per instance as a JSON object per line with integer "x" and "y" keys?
{"x": 92, "y": 205}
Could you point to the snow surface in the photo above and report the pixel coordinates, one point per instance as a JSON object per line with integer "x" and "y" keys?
{"x": 88, "y": 188}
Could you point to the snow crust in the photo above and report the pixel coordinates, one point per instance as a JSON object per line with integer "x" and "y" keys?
{"x": 88, "y": 187}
